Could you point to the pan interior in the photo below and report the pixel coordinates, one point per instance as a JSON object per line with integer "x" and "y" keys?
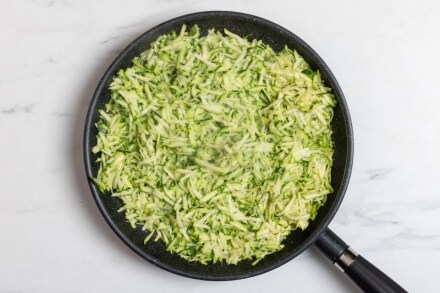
{"x": 277, "y": 37}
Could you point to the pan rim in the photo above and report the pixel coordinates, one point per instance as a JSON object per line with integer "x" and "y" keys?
{"x": 313, "y": 235}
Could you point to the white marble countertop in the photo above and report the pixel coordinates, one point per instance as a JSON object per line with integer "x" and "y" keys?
{"x": 385, "y": 55}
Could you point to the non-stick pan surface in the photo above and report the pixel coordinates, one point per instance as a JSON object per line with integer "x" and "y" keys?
{"x": 277, "y": 37}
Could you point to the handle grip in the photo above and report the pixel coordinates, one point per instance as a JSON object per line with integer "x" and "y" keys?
{"x": 362, "y": 272}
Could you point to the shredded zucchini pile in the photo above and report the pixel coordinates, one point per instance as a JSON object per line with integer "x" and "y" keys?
{"x": 217, "y": 145}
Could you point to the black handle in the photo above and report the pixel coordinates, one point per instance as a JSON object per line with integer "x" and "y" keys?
{"x": 362, "y": 272}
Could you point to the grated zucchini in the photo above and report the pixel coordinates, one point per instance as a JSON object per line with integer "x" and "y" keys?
{"x": 217, "y": 145}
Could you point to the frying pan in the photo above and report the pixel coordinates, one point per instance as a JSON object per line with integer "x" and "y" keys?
{"x": 368, "y": 277}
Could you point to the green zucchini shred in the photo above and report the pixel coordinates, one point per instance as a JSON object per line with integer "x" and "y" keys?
{"x": 217, "y": 145}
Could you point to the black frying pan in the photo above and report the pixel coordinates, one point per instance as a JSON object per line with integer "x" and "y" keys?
{"x": 368, "y": 277}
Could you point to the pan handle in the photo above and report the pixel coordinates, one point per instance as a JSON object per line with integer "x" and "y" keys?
{"x": 362, "y": 272}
